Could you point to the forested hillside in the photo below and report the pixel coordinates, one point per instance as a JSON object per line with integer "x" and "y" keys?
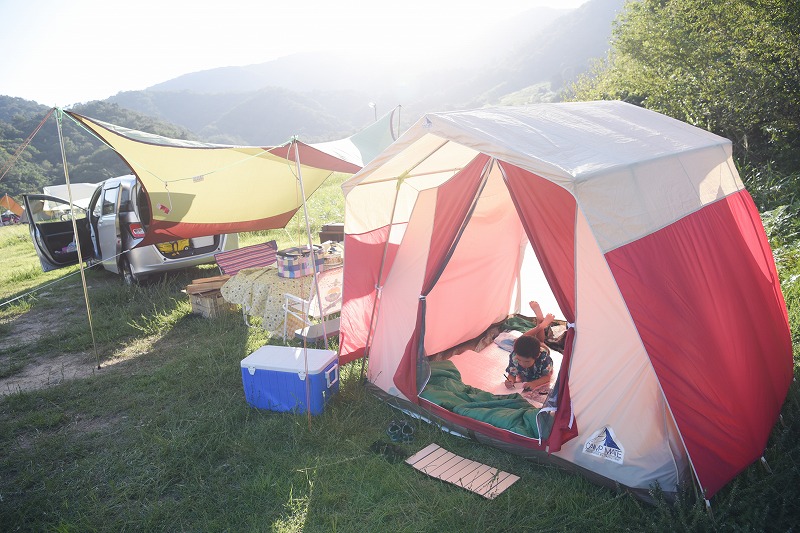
{"x": 732, "y": 68}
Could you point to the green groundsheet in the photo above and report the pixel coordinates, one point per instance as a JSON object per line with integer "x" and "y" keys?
{"x": 509, "y": 411}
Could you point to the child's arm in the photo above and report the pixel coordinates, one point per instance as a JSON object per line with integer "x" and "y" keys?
{"x": 538, "y": 381}
{"x": 511, "y": 378}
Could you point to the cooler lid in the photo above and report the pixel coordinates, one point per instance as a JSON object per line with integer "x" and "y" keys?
{"x": 289, "y": 359}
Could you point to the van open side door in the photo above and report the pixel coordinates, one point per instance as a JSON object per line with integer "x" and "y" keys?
{"x": 50, "y": 224}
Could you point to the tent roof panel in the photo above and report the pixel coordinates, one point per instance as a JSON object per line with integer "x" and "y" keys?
{"x": 616, "y": 159}
{"x": 578, "y": 139}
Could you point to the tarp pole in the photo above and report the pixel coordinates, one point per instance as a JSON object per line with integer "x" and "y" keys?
{"x": 314, "y": 273}
{"x": 59, "y": 117}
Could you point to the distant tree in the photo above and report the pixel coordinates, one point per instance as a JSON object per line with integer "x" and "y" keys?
{"x": 730, "y": 67}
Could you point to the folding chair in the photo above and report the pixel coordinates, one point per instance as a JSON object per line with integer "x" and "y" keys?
{"x": 253, "y": 256}
{"x": 256, "y": 255}
{"x": 312, "y": 313}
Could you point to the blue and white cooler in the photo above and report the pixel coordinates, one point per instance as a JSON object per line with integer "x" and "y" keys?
{"x": 274, "y": 378}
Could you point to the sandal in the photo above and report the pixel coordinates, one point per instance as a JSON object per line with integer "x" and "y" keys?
{"x": 394, "y": 431}
{"x": 407, "y": 432}
{"x": 391, "y": 452}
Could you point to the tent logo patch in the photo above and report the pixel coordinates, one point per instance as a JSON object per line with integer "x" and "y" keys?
{"x": 603, "y": 443}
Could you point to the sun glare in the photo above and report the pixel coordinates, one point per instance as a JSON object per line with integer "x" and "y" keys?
{"x": 154, "y": 41}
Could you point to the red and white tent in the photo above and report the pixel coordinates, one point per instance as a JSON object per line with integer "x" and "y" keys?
{"x": 642, "y": 232}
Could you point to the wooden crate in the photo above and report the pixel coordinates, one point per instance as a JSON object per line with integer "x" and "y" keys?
{"x": 210, "y": 304}
{"x": 202, "y": 285}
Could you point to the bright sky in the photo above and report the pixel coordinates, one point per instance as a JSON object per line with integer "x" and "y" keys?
{"x": 61, "y": 52}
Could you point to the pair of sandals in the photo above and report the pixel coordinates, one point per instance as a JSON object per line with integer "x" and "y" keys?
{"x": 400, "y": 431}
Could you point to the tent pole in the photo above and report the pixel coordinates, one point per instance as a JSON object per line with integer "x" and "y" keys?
{"x": 379, "y": 286}
{"x": 399, "y": 109}
{"x": 59, "y": 117}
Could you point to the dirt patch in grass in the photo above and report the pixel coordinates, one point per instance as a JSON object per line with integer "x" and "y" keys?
{"x": 27, "y": 328}
{"x": 44, "y": 371}
{"x": 39, "y": 370}
{"x": 49, "y": 370}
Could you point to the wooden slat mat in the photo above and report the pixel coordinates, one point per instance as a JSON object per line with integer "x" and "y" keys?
{"x": 447, "y": 466}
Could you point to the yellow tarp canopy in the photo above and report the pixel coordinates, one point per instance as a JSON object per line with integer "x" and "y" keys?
{"x": 198, "y": 189}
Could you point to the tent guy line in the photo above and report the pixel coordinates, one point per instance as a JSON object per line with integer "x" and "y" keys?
{"x": 24, "y": 145}
{"x": 37, "y": 289}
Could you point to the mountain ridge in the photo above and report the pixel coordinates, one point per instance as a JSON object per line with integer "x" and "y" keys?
{"x": 537, "y": 48}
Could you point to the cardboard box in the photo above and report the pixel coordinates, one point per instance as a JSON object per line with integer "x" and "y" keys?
{"x": 274, "y": 378}
{"x": 296, "y": 262}
{"x": 210, "y": 304}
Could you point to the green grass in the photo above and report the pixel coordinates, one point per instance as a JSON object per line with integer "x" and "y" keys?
{"x": 160, "y": 437}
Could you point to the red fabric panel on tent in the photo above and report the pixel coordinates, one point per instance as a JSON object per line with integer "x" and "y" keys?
{"x": 312, "y": 157}
{"x": 548, "y": 215}
{"x": 706, "y": 301}
{"x": 547, "y": 212}
{"x": 454, "y": 199}
{"x": 364, "y": 254}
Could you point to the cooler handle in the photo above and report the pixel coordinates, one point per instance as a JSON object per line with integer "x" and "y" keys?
{"x": 335, "y": 370}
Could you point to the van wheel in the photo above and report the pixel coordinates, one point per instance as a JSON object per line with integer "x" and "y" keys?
{"x": 127, "y": 274}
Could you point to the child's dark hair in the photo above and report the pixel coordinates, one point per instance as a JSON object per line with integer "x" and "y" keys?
{"x": 527, "y": 346}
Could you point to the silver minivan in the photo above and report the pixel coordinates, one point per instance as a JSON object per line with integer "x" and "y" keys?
{"x": 109, "y": 226}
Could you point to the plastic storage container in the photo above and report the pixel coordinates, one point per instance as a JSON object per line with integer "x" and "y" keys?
{"x": 296, "y": 262}
{"x": 274, "y": 378}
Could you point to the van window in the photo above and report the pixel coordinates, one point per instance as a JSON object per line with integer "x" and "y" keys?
{"x": 96, "y": 211}
{"x": 143, "y": 205}
{"x": 125, "y": 204}
{"x": 110, "y": 200}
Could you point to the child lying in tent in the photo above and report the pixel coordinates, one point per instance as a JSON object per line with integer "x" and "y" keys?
{"x": 529, "y": 362}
